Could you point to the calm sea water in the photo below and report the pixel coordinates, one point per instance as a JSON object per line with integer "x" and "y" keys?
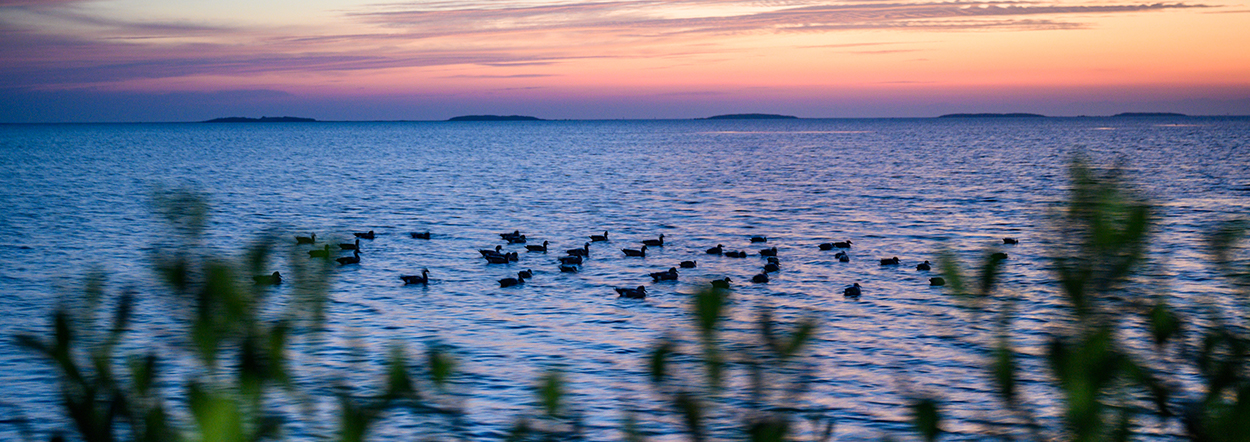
{"x": 77, "y": 197}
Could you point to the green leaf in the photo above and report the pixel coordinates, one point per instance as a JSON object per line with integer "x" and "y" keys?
{"x": 926, "y": 418}
{"x": 709, "y": 305}
{"x": 551, "y": 392}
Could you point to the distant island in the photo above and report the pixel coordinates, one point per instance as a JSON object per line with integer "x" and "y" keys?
{"x": 495, "y": 118}
{"x": 261, "y": 120}
{"x": 752, "y": 117}
{"x": 1011, "y": 115}
{"x": 1149, "y": 114}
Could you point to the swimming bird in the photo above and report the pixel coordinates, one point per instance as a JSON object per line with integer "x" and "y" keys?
{"x": 533, "y": 248}
{"x": 527, "y": 274}
{"x": 423, "y": 278}
{"x": 759, "y": 239}
{"x": 1010, "y": 241}
{"x": 570, "y": 260}
{"x": 772, "y": 267}
{"x": 488, "y": 252}
{"x": 273, "y": 279}
{"x": 668, "y": 275}
{"x": 889, "y": 261}
{"x": 937, "y": 281}
{"x": 774, "y": 260}
{"x": 719, "y": 249}
{"x": 513, "y": 234}
{"x": 654, "y": 242}
{"x": 509, "y": 282}
{"x": 322, "y": 253}
{"x": 924, "y": 266}
{"x": 736, "y": 254}
{"x": 603, "y": 237}
{"x": 825, "y": 246}
{"x": 354, "y": 259}
{"x": 584, "y": 251}
{"x": 769, "y": 252}
{"x": 760, "y": 278}
{"x": 721, "y": 283}
{"x": 364, "y": 235}
{"x": 502, "y": 258}
{"x": 568, "y": 268}
{"x": 843, "y": 244}
{"x": 842, "y": 257}
{"x": 420, "y": 235}
{"x": 306, "y": 239}
{"x": 852, "y": 291}
{"x": 640, "y": 252}
{"x": 688, "y": 264}
{"x": 638, "y": 293}
{"x": 350, "y": 246}
{"x": 517, "y": 240}
{"x": 512, "y": 256}
{"x": 999, "y": 256}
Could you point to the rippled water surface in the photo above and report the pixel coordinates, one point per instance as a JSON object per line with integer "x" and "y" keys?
{"x": 77, "y": 197}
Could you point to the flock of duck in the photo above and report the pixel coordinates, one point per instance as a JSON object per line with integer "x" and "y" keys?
{"x": 574, "y": 258}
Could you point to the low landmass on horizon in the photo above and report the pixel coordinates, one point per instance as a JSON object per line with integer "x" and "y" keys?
{"x": 261, "y": 120}
{"x": 495, "y": 118}
{"x": 752, "y": 117}
{"x": 993, "y": 115}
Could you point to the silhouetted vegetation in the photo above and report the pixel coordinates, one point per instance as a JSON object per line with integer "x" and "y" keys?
{"x": 1119, "y": 352}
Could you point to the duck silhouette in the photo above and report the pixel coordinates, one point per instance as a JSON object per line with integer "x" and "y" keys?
{"x": 718, "y": 250}
{"x": 769, "y": 252}
{"x": 924, "y": 266}
{"x": 420, "y": 235}
{"x": 423, "y": 278}
{"x": 668, "y": 275}
{"x": 570, "y": 260}
{"x": 306, "y": 239}
{"x": 721, "y": 283}
{"x": 584, "y": 251}
{"x": 759, "y": 239}
{"x": 509, "y": 282}
{"x": 852, "y": 291}
{"x": 688, "y": 264}
{"x": 568, "y": 268}
{"x": 271, "y": 279}
{"x": 937, "y": 281}
{"x": 638, "y": 293}
{"x": 654, "y": 242}
{"x": 843, "y": 244}
{"x": 1010, "y": 241}
{"x": 354, "y": 259}
{"x": 760, "y": 278}
{"x": 320, "y": 253}
{"x": 533, "y": 248}
{"x": 350, "y": 246}
{"x": 890, "y": 261}
{"x": 603, "y": 237}
{"x": 364, "y": 235}
{"x": 642, "y": 252}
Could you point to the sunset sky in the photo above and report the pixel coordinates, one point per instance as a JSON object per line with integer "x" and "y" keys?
{"x": 147, "y": 60}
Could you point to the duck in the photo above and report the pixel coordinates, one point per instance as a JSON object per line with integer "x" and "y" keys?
{"x": 889, "y": 261}
{"x": 642, "y": 252}
{"x": 769, "y": 252}
{"x": 502, "y": 258}
{"x": 306, "y": 239}
{"x": 759, "y": 238}
{"x": 527, "y": 274}
{"x": 423, "y": 278}
{"x": 825, "y": 246}
{"x": 533, "y": 248}
{"x": 924, "y": 266}
{"x": 638, "y": 293}
{"x": 364, "y": 235}
{"x": 842, "y": 257}
{"x": 513, "y": 234}
{"x": 843, "y": 244}
{"x": 760, "y": 278}
{"x": 937, "y": 282}
{"x": 570, "y": 260}
{"x": 774, "y": 260}
{"x": 350, "y": 246}
{"x": 488, "y": 252}
{"x": 584, "y": 251}
{"x": 668, "y": 275}
{"x": 420, "y": 235}
{"x": 603, "y": 237}
{"x": 999, "y": 256}
{"x": 721, "y": 283}
{"x": 509, "y": 282}
{"x": 568, "y": 268}
{"x": 272, "y": 279}
{"x": 736, "y": 254}
{"x": 688, "y": 264}
{"x": 512, "y": 256}
{"x": 718, "y": 250}
{"x": 772, "y": 267}
{"x": 852, "y": 291}
{"x": 654, "y": 242}
{"x": 517, "y": 240}
{"x": 320, "y": 253}
{"x": 1011, "y": 241}
{"x": 354, "y": 259}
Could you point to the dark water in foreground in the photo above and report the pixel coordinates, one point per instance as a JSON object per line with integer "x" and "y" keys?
{"x": 77, "y": 197}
